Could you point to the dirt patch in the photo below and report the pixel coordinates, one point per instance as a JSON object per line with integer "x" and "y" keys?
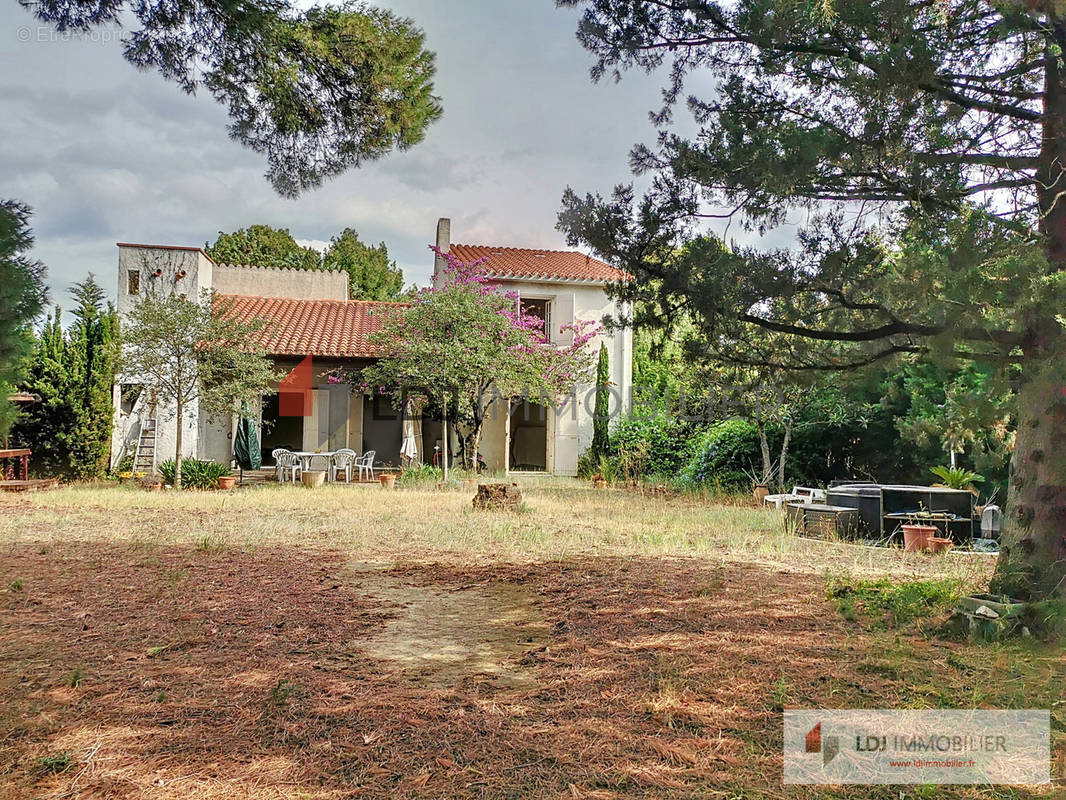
{"x": 442, "y": 637}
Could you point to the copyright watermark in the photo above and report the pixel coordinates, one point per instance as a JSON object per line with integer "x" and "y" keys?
{"x": 856, "y": 746}
{"x": 40, "y": 34}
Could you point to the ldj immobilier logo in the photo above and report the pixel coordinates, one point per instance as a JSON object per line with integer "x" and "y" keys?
{"x": 829, "y": 747}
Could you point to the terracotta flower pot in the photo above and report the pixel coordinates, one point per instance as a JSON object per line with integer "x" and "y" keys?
{"x": 388, "y": 480}
{"x": 227, "y": 482}
{"x": 760, "y": 493}
{"x": 599, "y": 483}
{"x": 916, "y": 537}
{"x": 939, "y": 544}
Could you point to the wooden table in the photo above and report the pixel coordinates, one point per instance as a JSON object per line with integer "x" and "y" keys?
{"x": 22, "y": 463}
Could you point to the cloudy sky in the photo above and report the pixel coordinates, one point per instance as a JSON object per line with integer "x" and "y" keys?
{"x": 104, "y": 153}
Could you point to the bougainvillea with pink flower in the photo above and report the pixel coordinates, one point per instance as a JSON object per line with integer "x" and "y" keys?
{"x": 466, "y": 342}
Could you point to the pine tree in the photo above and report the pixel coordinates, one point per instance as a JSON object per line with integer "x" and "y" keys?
{"x": 924, "y": 142}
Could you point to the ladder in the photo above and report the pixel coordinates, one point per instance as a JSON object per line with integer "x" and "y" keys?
{"x": 144, "y": 455}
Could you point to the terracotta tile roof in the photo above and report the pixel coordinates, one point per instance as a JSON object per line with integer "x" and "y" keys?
{"x": 332, "y": 328}
{"x": 517, "y": 262}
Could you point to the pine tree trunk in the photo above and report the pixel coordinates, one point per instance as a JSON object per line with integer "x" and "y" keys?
{"x": 1032, "y": 563}
{"x": 177, "y": 446}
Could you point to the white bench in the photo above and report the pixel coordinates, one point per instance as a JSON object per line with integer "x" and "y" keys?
{"x": 799, "y": 494}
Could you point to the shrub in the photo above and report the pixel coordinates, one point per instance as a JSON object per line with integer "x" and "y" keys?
{"x": 195, "y": 474}
{"x": 166, "y": 470}
{"x": 645, "y": 446}
{"x": 723, "y": 455}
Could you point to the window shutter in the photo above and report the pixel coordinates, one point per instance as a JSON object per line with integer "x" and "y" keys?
{"x": 562, "y": 315}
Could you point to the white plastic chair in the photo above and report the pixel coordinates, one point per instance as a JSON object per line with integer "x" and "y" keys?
{"x": 290, "y": 462}
{"x": 366, "y": 463}
{"x": 802, "y": 494}
{"x": 276, "y": 454}
{"x": 343, "y": 461}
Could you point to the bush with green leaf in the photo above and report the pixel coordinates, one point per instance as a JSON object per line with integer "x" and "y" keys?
{"x": 657, "y": 445}
{"x": 195, "y": 474}
{"x": 723, "y": 455}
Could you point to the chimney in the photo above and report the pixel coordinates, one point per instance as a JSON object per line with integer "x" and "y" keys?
{"x": 444, "y": 243}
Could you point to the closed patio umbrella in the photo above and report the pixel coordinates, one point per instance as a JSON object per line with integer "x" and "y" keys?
{"x": 411, "y": 446}
{"x": 246, "y": 450}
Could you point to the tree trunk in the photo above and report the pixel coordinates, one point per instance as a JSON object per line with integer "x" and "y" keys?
{"x": 177, "y": 446}
{"x": 475, "y": 438}
{"x": 1032, "y": 562}
{"x": 764, "y": 445}
{"x": 784, "y": 453}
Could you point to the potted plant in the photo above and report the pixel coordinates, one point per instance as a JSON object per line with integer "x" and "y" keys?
{"x": 227, "y": 482}
{"x": 313, "y": 479}
{"x": 388, "y": 480}
{"x": 761, "y": 482}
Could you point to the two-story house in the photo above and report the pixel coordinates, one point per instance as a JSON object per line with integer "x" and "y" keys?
{"x": 308, "y": 313}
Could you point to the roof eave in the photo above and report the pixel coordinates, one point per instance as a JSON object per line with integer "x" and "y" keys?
{"x": 527, "y": 278}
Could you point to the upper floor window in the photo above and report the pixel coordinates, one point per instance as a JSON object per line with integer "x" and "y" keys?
{"x": 541, "y": 309}
{"x": 133, "y": 281}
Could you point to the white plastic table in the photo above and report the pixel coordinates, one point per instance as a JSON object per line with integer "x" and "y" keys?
{"x": 306, "y": 457}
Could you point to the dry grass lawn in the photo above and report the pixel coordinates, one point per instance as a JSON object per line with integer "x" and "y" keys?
{"x": 277, "y": 642}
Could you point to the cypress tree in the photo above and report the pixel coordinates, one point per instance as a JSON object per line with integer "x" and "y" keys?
{"x": 92, "y": 354}
{"x": 44, "y": 426}
{"x": 601, "y": 414}
{"x": 69, "y": 431}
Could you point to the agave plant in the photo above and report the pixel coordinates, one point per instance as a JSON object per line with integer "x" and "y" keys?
{"x": 957, "y": 477}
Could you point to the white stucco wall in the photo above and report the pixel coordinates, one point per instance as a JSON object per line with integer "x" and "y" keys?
{"x": 164, "y": 271}
{"x": 570, "y": 428}
{"x": 271, "y": 282}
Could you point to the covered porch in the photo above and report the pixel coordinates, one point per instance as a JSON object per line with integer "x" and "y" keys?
{"x": 329, "y": 416}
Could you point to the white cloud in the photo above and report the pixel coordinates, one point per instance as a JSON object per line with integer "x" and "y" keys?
{"x": 104, "y": 153}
